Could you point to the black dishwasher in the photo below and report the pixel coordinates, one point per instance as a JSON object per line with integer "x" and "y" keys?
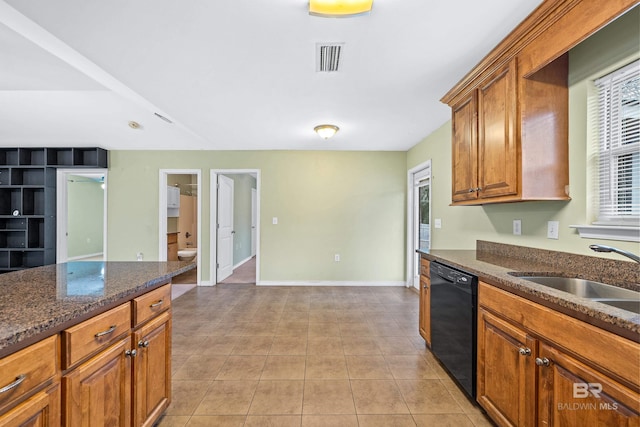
{"x": 454, "y": 298}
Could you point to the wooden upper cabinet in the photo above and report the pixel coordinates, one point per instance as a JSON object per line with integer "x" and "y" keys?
{"x": 510, "y": 113}
{"x": 464, "y": 150}
{"x": 497, "y": 151}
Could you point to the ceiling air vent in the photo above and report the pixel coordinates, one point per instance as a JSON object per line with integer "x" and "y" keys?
{"x": 328, "y": 56}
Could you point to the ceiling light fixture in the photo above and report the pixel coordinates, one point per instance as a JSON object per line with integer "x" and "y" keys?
{"x": 339, "y": 8}
{"x": 326, "y": 131}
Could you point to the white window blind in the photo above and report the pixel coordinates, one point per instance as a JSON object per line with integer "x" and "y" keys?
{"x": 619, "y": 145}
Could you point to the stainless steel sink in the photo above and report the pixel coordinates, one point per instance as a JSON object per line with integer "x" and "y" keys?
{"x": 625, "y": 304}
{"x": 614, "y": 296}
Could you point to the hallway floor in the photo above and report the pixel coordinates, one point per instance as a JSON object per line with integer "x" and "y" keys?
{"x": 307, "y": 356}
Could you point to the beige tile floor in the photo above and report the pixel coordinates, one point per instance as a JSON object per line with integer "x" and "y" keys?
{"x": 307, "y": 356}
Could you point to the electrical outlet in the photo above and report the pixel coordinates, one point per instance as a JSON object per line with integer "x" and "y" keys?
{"x": 274, "y": 221}
{"x": 139, "y": 256}
{"x": 336, "y": 257}
{"x": 553, "y": 229}
{"x": 517, "y": 227}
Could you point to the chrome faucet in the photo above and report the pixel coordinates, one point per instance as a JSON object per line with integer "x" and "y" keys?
{"x": 603, "y": 248}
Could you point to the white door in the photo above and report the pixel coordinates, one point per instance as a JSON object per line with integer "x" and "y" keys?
{"x": 254, "y": 220}
{"x": 225, "y": 228}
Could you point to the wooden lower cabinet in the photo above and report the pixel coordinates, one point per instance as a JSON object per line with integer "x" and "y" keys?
{"x": 41, "y": 410}
{"x": 538, "y": 367}
{"x": 152, "y": 370}
{"x": 506, "y": 371}
{"x": 424, "y": 321}
{"x": 571, "y": 393}
{"x": 98, "y": 392}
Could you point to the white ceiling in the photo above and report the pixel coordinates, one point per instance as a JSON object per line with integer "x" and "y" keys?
{"x": 235, "y": 75}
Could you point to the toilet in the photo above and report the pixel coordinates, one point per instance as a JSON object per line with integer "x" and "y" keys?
{"x": 187, "y": 254}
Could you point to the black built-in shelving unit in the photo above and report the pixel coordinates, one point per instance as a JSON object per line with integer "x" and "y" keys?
{"x": 28, "y": 201}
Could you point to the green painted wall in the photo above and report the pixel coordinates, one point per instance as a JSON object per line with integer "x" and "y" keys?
{"x": 609, "y": 49}
{"x": 327, "y": 202}
{"x": 85, "y": 217}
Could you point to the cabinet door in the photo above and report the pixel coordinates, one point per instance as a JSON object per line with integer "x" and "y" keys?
{"x": 497, "y": 148}
{"x": 41, "y": 410}
{"x": 571, "y": 393}
{"x": 98, "y": 392}
{"x": 152, "y": 370}
{"x": 464, "y": 150}
{"x": 425, "y": 309}
{"x": 506, "y": 371}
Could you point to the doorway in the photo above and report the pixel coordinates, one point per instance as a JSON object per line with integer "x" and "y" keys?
{"x": 419, "y": 219}
{"x": 180, "y": 220}
{"x": 81, "y": 211}
{"x": 235, "y": 230}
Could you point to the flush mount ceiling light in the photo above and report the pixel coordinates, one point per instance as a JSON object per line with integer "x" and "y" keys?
{"x": 339, "y": 8}
{"x": 326, "y": 131}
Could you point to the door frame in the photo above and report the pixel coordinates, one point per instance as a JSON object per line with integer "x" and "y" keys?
{"x": 213, "y": 198}
{"x": 162, "y": 215}
{"x": 412, "y": 260}
{"x": 62, "y": 209}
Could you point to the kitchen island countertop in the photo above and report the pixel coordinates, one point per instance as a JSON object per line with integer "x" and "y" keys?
{"x": 39, "y": 302}
{"x": 496, "y": 264}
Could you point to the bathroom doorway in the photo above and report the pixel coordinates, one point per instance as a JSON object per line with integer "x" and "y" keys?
{"x": 235, "y": 231}
{"x": 180, "y": 221}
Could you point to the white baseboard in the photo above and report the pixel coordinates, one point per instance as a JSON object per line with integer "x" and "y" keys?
{"x": 328, "y": 283}
{"x": 241, "y": 262}
{"x": 206, "y": 283}
{"x": 76, "y": 258}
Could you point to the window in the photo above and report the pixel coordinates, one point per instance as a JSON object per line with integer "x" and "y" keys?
{"x": 619, "y": 146}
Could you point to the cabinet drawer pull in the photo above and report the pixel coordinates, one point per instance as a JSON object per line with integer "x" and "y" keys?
{"x": 19, "y": 379}
{"x": 143, "y": 344}
{"x": 130, "y": 353}
{"x": 107, "y": 332}
{"x": 156, "y": 304}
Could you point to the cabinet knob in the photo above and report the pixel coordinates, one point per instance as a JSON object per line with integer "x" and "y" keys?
{"x": 130, "y": 353}
{"x": 143, "y": 344}
{"x": 479, "y": 189}
{"x": 542, "y": 361}
{"x": 524, "y": 351}
{"x": 471, "y": 190}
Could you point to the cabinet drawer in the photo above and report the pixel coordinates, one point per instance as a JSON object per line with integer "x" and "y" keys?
{"x": 89, "y": 336}
{"x": 25, "y": 370}
{"x": 424, "y": 267}
{"x": 172, "y": 238}
{"x": 150, "y": 304}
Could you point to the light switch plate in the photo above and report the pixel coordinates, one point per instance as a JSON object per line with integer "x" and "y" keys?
{"x": 553, "y": 229}
{"x": 437, "y": 223}
{"x": 274, "y": 221}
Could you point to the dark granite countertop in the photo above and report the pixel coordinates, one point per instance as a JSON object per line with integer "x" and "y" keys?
{"x": 39, "y": 302}
{"x": 493, "y": 263}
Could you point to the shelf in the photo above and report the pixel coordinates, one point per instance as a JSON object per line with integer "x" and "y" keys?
{"x": 9, "y": 156}
{"x": 10, "y": 199}
{"x": 13, "y": 224}
{"x": 32, "y": 156}
{"x": 13, "y": 239}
